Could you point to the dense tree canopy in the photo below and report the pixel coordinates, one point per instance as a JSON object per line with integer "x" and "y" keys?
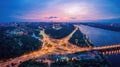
{"x": 10, "y": 47}
{"x": 57, "y": 34}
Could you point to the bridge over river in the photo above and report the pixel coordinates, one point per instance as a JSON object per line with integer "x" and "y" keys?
{"x": 59, "y": 46}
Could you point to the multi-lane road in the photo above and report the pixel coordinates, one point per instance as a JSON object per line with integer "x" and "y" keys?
{"x": 54, "y": 46}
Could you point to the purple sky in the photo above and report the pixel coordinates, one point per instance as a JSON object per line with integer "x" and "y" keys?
{"x": 58, "y": 10}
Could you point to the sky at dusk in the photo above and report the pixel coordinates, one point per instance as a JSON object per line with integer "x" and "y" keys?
{"x": 58, "y": 10}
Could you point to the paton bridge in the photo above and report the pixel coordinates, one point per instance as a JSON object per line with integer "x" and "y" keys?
{"x": 59, "y": 46}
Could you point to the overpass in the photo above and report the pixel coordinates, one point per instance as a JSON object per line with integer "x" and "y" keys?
{"x": 59, "y": 46}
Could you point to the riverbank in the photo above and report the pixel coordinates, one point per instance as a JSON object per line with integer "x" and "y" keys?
{"x": 101, "y": 37}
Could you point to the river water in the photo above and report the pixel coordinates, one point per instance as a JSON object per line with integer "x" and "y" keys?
{"x": 101, "y": 37}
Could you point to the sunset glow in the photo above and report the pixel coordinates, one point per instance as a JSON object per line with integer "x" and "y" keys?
{"x": 62, "y": 10}
{"x": 76, "y": 10}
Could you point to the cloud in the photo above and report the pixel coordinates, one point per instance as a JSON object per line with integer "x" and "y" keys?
{"x": 73, "y": 17}
{"x": 51, "y": 17}
{"x": 59, "y": 10}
